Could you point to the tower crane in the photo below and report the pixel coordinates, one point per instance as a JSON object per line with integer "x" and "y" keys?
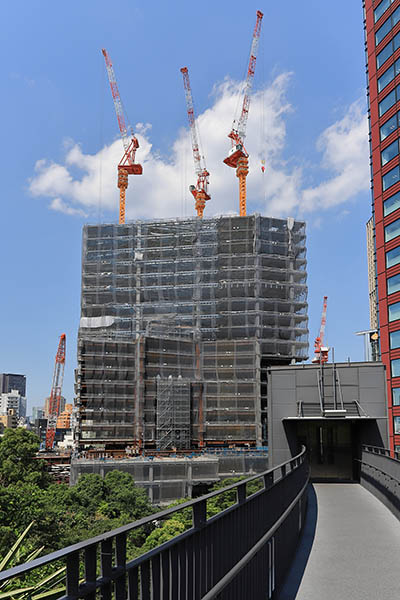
{"x": 321, "y": 351}
{"x": 200, "y": 190}
{"x": 238, "y": 157}
{"x": 127, "y": 165}
{"x": 55, "y": 394}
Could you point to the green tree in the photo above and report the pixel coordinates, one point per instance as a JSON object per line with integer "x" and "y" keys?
{"x": 18, "y": 462}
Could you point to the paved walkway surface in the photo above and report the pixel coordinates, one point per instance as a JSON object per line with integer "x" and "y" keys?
{"x": 350, "y": 548}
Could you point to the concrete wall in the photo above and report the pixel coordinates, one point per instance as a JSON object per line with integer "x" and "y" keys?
{"x": 167, "y": 479}
{"x": 288, "y": 386}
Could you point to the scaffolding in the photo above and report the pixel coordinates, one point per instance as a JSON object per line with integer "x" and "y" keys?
{"x": 173, "y": 414}
{"x": 211, "y": 301}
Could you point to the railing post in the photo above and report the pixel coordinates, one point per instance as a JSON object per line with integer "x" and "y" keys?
{"x": 120, "y": 559}
{"x": 199, "y": 514}
{"x": 283, "y": 471}
{"x": 268, "y": 480}
{"x": 72, "y": 575}
{"x": 241, "y": 493}
{"x": 106, "y": 568}
{"x": 91, "y": 569}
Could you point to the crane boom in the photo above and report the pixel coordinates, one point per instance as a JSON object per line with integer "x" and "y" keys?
{"x": 200, "y": 190}
{"x": 242, "y": 123}
{"x": 238, "y": 157}
{"x": 55, "y": 394}
{"x": 321, "y": 351}
{"x": 127, "y": 165}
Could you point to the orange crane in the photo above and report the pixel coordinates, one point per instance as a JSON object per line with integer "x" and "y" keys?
{"x": 55, "y": 394}
{"x": 127, "y": 165}
{"x": 238, "y": 157}
{"x": 321, "y": 351}
{"x": 200, "y": 190}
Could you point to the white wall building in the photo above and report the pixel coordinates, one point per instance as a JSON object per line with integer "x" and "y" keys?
{"x": 13, "y": 400}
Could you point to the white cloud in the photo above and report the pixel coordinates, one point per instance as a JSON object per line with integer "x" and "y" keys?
{"x": 86, "y": 182}
{"x": 60, "y": 206}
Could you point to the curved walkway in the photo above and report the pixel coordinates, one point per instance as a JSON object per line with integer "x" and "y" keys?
{"x": 350, "y": 548}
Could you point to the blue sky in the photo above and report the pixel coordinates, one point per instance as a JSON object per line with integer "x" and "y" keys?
{"x": 60, "y": 147}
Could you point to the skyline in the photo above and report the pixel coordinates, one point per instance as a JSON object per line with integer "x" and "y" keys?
{"x": 315, "y": 144}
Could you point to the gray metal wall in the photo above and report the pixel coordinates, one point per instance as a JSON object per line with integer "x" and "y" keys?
{"x": 290, "y": 386}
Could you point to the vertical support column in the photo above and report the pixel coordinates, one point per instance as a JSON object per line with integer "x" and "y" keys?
{"x": 257, "y": 343}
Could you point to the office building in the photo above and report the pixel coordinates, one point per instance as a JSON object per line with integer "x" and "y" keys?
{"x": 12, "y": 381}
{"x": 382, "y": 35}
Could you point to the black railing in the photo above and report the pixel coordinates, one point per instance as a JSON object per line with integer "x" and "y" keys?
{"x": 241, "y": 552}
{"x": 380, "y": 474}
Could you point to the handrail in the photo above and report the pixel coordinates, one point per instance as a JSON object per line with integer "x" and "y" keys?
{"x": 199, "y": 519}
{"x": 217, "y": 589}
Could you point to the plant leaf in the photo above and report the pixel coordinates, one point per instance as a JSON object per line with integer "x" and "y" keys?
{"x": 14, "y": 549}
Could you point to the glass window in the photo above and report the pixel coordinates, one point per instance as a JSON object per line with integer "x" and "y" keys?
{"x": 386, "y": 78}
{"x": 394, "y": 312}
{"x": 384, "y": 54}
{"x": 392, "y": 230}
{"x": 396, "y": 396}
{"x": 388, "y": 127}
{"x": 391, "y": 204}
{"x": 390, "y": 178}
{"x": 395, "y": 364}
{"x": 396, "y": 42}
{"x": 387, "y": 102}
{"x": 396, "y": 425}
{"x": 382, "y": 31}
{"x": 396, "y": 16}
{"x": 390, "y": 152}
{"x": 394, "y": 340}
{"x": 393, "y": 257}
{"x": 378, "y": 12}
{"x": 393, "y": 284}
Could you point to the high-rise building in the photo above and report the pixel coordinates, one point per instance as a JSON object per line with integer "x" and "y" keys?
{"x": 37, "y": 413}
{"x": 179, "y": 321}
{"x": 382, "y": 34}
{"x": 12, "y": 381}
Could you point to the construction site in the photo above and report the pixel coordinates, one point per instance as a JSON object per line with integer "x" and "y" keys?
{"x": 180, "y": 320}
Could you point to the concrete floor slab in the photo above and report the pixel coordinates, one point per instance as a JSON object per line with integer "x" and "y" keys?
{"x": 350, "y": 548}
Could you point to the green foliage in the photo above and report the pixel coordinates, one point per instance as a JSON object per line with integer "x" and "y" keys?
{"x": 18, "y": 448}
{"x": 168, "y": 530}
{"x": 49, "y": 586}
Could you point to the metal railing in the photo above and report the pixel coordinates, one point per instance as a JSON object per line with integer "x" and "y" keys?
{"x": 242, "y": 552}
{"x": 380, "y": 474}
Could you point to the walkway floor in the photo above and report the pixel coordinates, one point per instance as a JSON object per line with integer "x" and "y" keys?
{"x": 355, "y": 553}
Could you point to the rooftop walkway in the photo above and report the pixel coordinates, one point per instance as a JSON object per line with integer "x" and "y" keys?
{"x": 350, "y": 548}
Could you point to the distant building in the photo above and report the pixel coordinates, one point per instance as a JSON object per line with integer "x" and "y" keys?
{"x": 12, "y": 381}
{"x": 13, "y": 400}
{"x": 64, "y": 419}
{"x": 9, "y": 420}
{"x": 37, "y": 413}
{"x": 47, "y": 403}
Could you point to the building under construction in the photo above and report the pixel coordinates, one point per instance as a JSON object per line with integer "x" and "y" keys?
{"x": 179, "y": 321}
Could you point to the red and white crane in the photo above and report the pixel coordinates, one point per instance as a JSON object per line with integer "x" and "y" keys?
{"x": 238, "y": 157}
{"x": 200, "y": 190}
{"x": 127, "y": 165}
{"x": 55, "y": 394}
{"x": 321, "y": 351}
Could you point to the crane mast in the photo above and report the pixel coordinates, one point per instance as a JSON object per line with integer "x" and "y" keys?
{"x": 321, "y": 351}
{"x": 200, "y": 190}
{"x": 55, "y": 394}
{"x": 127, "y": 165}
{"x": 238, "y": 157}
